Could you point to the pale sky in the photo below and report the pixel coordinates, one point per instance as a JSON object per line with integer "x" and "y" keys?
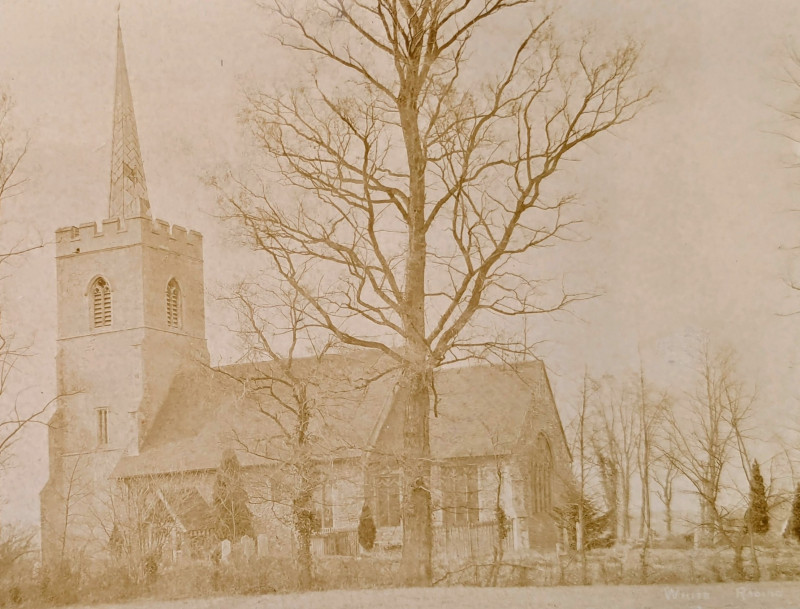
{"x": 687, "y": 207}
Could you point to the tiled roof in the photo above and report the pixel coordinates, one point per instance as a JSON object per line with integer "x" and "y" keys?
{"x": 481, "y": 410}
{"x": 189, "y": 508}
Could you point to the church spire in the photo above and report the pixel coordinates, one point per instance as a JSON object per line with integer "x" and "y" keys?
{"x": 128, "y": 193}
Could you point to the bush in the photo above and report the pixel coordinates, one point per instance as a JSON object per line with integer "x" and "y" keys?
{"x": 61, "y": 586}
{"x": 234, "y": 519}
{"x": 349, "y": 572}
{"x": 794, "y": 519}
{"x": 366, "y": 529}
{"x": 16, "y": 566}
{"x": 597, "y": 525}
{"x": 758, "y": 510}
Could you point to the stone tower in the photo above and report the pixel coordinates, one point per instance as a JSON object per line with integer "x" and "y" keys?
{"x": 130, "y": 314}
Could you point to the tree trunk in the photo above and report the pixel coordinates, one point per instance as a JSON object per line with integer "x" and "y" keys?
{"x": 706, "y": 523}
{"x": 415, "y": 566}
{"x": 668, "y": 517}
{"x": 738, "y": 563}
{"x": 303, "y": 518}
{"x": 754, "y": 556}
{"x": 626, "y": 509}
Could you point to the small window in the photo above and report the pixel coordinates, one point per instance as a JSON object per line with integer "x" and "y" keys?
{"x": 101, "y": 303}
{"x": 102, "y": 426}
{"x": 541, "y": 476}
{"x": 173, "y": 304}
{"x": 460, "y": 495}
{"x": 387, "y": 500}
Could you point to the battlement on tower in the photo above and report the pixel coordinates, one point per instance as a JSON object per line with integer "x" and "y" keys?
{"x": 113, "y": 233}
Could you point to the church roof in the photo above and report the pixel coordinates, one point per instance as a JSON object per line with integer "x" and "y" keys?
{"x": 128, "y": 192}
{"x": 188, "y": 508}
{"x": 481, "y": 412}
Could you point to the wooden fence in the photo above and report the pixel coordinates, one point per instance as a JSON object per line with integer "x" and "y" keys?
{"x": 456, "y": 543}
{"x": 335, "y": 543}
{"x": 469, "y": 542}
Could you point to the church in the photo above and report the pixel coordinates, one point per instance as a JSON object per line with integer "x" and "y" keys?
{"x": 141, "y": 407}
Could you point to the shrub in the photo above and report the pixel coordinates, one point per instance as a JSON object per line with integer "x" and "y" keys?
{"x": 366, "y": 529}
{"x": 350, "y": 572}
{"x": 597, "y": 529}
{"x": 234, "y": 519}
{"x": 794, "y": 519}
{"x": 758, "y": 510}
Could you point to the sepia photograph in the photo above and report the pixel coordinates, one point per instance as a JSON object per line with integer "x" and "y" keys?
{"x": 327, "y": 304}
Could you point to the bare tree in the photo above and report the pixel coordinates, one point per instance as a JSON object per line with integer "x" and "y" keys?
{"x": 65, "y": 555}
{"x": 290, "y": 384}
{"x": 652, "y": 407}
{"x": 580, "y": 534}
{"x": 615, "y": 438}
{"x": 411, "y": 189}
{"x": 15, "y": 545}
{"x": 11, "y": 153}
{"x": 138, "y": 522}
{"x": 706, "y": 437}
{"x": 13, "y": 418}
{"x": 664, "y": 475}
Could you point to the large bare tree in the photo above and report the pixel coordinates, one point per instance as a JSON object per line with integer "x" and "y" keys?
{"x": 273, "y": 326}
{"x": 405, "y": 198}
{"x": 297, "y": 392}
{"x": 13, "y": 418}
{"x": 11, "y": 152}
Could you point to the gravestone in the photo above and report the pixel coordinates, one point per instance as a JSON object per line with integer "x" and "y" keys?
{"x": 248, "y": 547}
{"x": 225, "y": 550}
{"x": 262, "y": 545}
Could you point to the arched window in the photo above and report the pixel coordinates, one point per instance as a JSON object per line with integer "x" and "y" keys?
{"x": 541, "y": 476}
{"x": 173, "y": 304}
{"x": 101, "y": 303}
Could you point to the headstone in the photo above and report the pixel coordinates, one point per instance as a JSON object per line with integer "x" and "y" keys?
{"x": 248, "y": 547}
{"x": 225, "y": 550}
{"x": 263, "y": 545}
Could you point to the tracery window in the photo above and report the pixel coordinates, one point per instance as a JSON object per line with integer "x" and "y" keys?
{"x": 460, "y": 495}
{"x": 541, "y": 476}
{"x": 387, "y": 500}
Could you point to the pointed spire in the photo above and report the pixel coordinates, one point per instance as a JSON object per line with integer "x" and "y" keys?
{"x": 128, "y": 193}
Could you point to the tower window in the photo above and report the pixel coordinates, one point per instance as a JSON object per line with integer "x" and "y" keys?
{"x": 102, "y": 426}
{"x": 101, "y": 303}
{"x": 173, "y": 304}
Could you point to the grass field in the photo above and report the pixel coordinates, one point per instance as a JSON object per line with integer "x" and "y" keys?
{"x": 768, "y": 595}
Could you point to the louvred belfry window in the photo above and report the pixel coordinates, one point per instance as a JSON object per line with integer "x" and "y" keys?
{"x": 101, "y": 303}
{"x": 173, "y": 304}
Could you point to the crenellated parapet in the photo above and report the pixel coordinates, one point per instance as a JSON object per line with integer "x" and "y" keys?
{"x": 113, "y": 232}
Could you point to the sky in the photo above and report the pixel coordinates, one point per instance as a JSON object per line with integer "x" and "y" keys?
{"x": 688, "y": 209}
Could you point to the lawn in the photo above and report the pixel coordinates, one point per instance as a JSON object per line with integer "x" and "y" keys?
{"x": 768, "y": 595}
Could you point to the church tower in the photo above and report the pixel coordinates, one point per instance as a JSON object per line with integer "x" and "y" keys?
{"x": 130, "y": 314}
